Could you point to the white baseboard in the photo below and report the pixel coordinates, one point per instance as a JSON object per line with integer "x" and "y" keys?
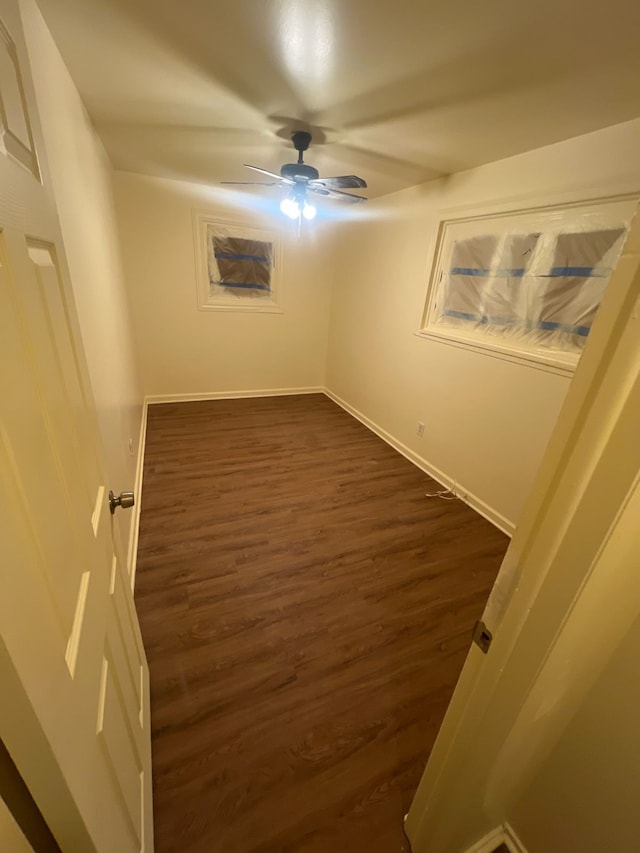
{"x": 468, "y": 497}
{"x": 489, "y": 842}
{"x": 132, "y": 555}
{"x": 512, "y": 841}
{"x": 231, "y": 395}
{"x": 501, "y": 835}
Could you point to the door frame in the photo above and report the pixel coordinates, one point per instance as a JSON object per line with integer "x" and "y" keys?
{"x": 554, "y": 578}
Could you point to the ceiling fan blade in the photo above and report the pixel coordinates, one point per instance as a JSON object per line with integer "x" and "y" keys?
{"x": 340, "y": 182}
{"x": 337, "y": 194}
{"x": 271, "y": 174}
{"x": 253, "y": 183}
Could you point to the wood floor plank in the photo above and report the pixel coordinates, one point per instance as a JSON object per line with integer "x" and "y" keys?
{"x": 306, "y": 612}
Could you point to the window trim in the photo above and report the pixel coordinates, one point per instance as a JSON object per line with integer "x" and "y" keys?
{"x": 562, "y": 363}
{"x": 205, "y": 302}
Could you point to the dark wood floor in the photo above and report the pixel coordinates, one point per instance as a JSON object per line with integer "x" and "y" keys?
{"x": 306, "y": 612}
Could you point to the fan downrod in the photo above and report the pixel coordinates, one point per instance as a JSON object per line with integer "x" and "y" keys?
{"x": 301, "y": 140}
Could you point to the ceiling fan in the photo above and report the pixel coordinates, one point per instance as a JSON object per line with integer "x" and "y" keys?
{"x": 300, "y": 179}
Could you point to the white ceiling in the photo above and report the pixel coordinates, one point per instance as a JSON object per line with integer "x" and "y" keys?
{"x": 397, "y": 91}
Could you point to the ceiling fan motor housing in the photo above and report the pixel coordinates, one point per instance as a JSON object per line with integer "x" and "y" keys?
{"x": 301, "y": 178}
{"x": 299, "y": 172}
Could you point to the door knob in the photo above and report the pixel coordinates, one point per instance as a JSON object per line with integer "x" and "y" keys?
{"x": 124, "y": 499}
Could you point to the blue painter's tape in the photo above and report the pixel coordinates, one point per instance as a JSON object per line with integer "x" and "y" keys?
{"x": 545, "y": 325}
{"x": 228, "y": 256}
{"x": 519, "y": 272}
{"x": 583, "y": 272}
{"x": 462, "y": 315}
{"x": 482, "y": 318}
{"x": 551, "y": 326}
{"x": 469, "y": 271}
{"x": 242, "y": 284}
{"x": 515, "y": 272}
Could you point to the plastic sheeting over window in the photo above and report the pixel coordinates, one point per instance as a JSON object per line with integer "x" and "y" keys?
{"x": 244, "y": 264}
{"x": 545, "y": 287}
{"x": 535, "y": 282}
{"x": 238, "y": 266}
{"x": 239, "y": 263}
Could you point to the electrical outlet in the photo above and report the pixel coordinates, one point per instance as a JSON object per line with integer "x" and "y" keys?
{"x": 131, "y": 446}
{"x": 420, "y": 429}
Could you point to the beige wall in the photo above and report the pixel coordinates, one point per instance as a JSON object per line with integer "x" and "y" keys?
{"x": 487, "y": 420}
{"x": 81, "y": 178}
{"x": 586, "y": 796}
{"x": 187, "y": 351}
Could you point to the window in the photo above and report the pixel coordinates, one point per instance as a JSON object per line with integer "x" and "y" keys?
{"x": 238, "y": 263}
{"x": 238, "y": 266}
{"x": 528, "y": 284}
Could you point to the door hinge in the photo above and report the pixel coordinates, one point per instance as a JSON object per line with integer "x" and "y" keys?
{"x": 482, "y": 636}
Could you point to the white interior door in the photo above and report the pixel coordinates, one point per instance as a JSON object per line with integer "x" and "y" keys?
{"x": 74, "y": 712}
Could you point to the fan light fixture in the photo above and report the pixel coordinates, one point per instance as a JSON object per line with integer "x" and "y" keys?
{"x": 299, "y": 179}
{"x": 292, "y": 208}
